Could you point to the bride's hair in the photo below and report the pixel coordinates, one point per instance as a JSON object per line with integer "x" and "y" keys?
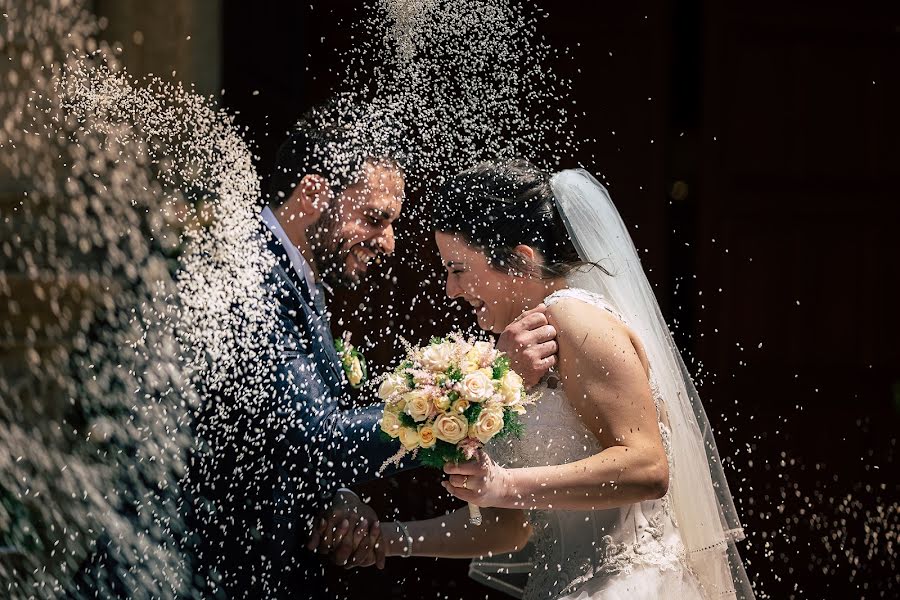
{"x": 497, "y": 206}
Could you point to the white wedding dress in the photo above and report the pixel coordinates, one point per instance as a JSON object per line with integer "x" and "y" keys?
{"x": 633, "y": 552}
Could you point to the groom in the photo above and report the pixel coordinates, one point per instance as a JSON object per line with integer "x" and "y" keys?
{"x": 331, "y": 213}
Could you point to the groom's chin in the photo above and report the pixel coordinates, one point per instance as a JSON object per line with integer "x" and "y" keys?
{"x": 341, "y": 279}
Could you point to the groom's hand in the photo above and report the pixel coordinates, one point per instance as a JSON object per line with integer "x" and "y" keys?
{"x": 349, "y": 530}
{"x": 530, "y": 343}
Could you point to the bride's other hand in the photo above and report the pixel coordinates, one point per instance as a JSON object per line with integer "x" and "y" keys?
{"x": 530, "y": 343}
{"x": 481, "y": 481}
{"x": 343, "y": 528}
{"x": 370, "y": 551}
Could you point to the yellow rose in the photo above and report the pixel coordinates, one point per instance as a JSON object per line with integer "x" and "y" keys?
{"x": 390, "y": 424}
{"x": 442, "y": 402}
{"x": 409, "y": 437}
{"x": 461, "y": 406}
{"x": 437, "y": 357}
{"x": 477, "y": 386}
{"x": 450, "y": 427}
{"x": 355, "y": 374}
{"x": 427, "y": 437}
{"x": 393, "y": 384}
{"x": 511, "y": 388}
{"x": 418, "y": 404}
{"x": 489, "y": 424}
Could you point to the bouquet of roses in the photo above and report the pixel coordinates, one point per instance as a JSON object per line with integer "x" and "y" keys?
{"x": 449, "y": 398}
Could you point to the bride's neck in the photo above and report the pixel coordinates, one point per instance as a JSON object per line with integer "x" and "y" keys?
{"x": 534, "y": 291}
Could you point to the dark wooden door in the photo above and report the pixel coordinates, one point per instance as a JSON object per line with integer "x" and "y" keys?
{"x": 794, "y": 306}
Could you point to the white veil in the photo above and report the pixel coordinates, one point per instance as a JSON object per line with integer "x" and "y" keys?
{"x": 699, "y": 492}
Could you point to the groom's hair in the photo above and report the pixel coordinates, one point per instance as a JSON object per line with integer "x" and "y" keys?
{"x": 330, "y": 141}
{"x": 496, "y": 206}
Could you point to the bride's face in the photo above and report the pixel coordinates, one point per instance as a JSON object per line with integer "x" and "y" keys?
{"x": 470, "y": 276}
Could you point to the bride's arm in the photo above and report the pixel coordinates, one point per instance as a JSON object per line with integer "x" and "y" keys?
{"x": 451, "y": 536}
{"x": 606, "y": 382}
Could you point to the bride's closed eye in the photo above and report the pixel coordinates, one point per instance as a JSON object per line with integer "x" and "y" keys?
{"x": 455, "y": 268}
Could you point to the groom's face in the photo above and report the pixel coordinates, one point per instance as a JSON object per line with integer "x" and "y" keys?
{"x": 358, "y": 228}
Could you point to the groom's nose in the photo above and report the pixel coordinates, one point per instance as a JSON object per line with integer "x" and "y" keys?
{"x": 385, "y": 241}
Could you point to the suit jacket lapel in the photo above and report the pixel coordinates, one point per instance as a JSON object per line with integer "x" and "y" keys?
{"x": 313, "y": 320}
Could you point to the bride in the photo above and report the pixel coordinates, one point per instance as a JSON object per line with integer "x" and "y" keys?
{"x": 615, "y": 490}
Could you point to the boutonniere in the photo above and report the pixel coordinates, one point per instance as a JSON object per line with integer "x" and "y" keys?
{"x": 352, "y": 361}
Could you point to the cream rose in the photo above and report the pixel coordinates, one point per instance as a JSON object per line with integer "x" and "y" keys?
{"x": 390, "y": 424}
{"x": 511, "y": 388}
{"x": 393, "y": 384}
{"x": 427, "y": 437}
{"x": 409, "y": 437}
{"x": 442, "y": 402}
{"x": 460, "y": 406}
{"x": 355, "y": 375}
{"x": 418, "y": 404}
{"x": 450, "y": 428}
{"x": 396, "y": 406}
{"x": 489, "y": 424}
{"x": 437, "y": 357}
{"x": 477, "y": 386}
{"x": 470, "y": 363}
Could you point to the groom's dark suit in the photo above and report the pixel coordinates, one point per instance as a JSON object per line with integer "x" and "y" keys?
{"x": 299, "y": 445}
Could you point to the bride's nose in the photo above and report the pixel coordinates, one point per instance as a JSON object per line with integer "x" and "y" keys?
{"x": 452, "y": 289}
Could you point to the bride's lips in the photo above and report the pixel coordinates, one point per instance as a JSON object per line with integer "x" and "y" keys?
{"x": 479, "y": 307}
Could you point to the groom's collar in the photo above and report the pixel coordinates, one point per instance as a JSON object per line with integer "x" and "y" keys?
{"x": 295, "y": 258}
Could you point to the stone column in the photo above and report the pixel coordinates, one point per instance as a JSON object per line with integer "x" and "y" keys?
{"x": 177, "y": 40}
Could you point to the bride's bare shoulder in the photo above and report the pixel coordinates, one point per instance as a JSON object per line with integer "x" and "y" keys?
{"x": 572, "y": 316}
{"x": 585, "y": 326}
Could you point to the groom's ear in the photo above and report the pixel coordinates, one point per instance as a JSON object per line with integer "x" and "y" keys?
{"x": 313, "y": 195}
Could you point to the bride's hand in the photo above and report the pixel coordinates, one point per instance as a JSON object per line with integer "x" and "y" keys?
{"x": 481, "y": 481}
{"x": 530, "y": 344}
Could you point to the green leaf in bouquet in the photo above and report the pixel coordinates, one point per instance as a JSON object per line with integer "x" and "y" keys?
{"x": 501, "y": 367}
{"x": 435, "y": 340}
{"x": 512, "y": 425}
{"x": 472, "y": 412}
{"x": 406, "y": 420}
{"x": 454, "y": 374}
{"x": 454, "y": 396}
{"x": 438, "y": 455}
